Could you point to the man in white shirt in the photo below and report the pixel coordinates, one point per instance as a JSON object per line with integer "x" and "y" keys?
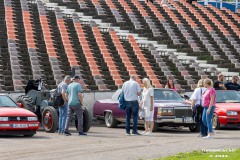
{"x": 131, "y": 91}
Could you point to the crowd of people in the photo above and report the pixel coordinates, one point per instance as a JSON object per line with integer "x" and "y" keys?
{"x": 203, "y": 102}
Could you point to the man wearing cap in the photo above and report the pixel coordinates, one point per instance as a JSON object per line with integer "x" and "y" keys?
{"x": 75, "y": 101}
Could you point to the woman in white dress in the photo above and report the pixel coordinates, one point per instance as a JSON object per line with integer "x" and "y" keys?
{"x": 148, "y": 106}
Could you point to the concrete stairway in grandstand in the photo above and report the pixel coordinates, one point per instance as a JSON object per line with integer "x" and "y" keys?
{"x": 190, "y": 61}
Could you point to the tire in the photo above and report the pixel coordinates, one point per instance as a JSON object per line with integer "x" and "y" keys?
{"x": 110, "y": 121}
{"x": 87, "y": 120}
{"x": 215, "y": 121}
{"x": 50, "y": 119}
{"x": 155, "y": 127}
{"x": 27, "y": 103}
{"x": 28, "y": 135}
{"x": 194, "y": 128}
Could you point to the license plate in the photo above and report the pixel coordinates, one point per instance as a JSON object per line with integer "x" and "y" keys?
{"x": 188, "y": 119}
{"x": 19, "y": 125}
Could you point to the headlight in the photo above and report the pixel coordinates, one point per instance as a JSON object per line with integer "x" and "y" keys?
{"x": 32, "y": 118}
{"x": 165, "y": 111}
{"x": 232, "y": 113}
{"x": 3, "y": 118}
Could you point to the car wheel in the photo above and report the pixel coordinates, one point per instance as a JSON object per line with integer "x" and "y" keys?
{"x": 110, "y": 121}
{"x": 155, "y": 127}
{"x": 86, "y": 120}
{"x": 28, "y": 135}
{"x": 50, "y": 119}
{"x": 194, "y": 128}
{"x": 215, "y": 121}
{"x": 27, "y": 103}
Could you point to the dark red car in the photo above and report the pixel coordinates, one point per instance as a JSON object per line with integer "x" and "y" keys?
{"x": 227, "y": 111}
{"x": 170, "y": 109}
{"x": 15, "y": 120}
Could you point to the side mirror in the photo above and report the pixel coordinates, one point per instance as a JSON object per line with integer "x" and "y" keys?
{"x": 20, "y": 105}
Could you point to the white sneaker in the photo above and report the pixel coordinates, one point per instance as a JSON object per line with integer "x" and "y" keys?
{"x": 127, "y": 134}
{"x": 214, "y": 132}
{"x": 144, "y": 132}
{"x": 208, "y": 137}
{"x": 148, "y": 133}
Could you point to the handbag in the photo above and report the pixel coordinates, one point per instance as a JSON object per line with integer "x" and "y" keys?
{"x": 122, "y": 102}
{"x": 198, "y": 110}
{"x": 141, "y": 113}
{"x": 57, "y": 98}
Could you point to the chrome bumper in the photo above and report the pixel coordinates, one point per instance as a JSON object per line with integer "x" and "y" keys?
{"x": 173, "y": 119}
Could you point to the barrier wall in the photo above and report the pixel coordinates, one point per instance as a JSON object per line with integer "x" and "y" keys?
{"x": 89, "y": 97}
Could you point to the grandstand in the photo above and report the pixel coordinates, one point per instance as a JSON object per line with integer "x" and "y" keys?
{"x": 105, "y": 41}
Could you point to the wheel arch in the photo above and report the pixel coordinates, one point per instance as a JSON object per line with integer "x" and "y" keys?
{"x": 105, "y": 111}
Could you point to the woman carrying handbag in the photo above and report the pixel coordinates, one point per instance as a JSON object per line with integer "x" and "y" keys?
{"x": 197, "y": 108}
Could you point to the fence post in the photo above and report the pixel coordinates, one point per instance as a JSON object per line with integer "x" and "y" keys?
{"x": 236, "y": 6}
{"x": 205, "y": 2}
{"x": 220, "y": 4}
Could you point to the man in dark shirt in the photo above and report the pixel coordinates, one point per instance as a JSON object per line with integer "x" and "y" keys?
{"x": 218, "y": 84}
{"x": 234, "y": 84}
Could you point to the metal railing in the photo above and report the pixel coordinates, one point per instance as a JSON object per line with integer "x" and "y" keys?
{"x": 233, "y": 5}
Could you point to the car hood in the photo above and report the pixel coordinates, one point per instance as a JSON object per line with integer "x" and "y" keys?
{"x": 171, "y": 104}
{"x": 229, "y": 106}
{"x": 10, "y": 111}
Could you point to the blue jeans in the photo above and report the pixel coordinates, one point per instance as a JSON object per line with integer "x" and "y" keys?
{"x": 132, "y": 108}
{"x": 207, "y": 118}
{"x": 63, "y": 110}
{"x": 203, "y": 129}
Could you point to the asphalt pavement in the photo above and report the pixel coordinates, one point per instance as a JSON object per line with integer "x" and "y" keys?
{"x": 103, "y": 143}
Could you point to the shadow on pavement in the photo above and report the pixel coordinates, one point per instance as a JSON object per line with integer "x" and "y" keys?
{"x": 22, "y": 137}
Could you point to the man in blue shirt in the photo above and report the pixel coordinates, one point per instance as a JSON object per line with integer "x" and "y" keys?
{"x": 233, "y": 85}
{"x": 131, "y": 91}
{"x": 75, "y": 102}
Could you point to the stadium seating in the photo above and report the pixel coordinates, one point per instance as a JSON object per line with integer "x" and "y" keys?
{"x": 223, "y": 49}
{"x": 107, "y": 41}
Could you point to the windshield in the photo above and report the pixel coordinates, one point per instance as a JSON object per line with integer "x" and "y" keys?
{"x": 167, "y": 95}
{"x": 227, "y": 96}
{"x": 5, "y": 101}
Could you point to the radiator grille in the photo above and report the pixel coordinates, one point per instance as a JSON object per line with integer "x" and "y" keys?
{"x": 17, "y": 118}
{"x": 179, "y": 113}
